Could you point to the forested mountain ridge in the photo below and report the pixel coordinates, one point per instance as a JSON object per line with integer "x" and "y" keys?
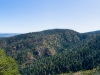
{"x": 45, "y": 43}
{"x": 53, "y": 39}
{"x": 52, "y": 46}
{"x": 85, "y": 57}
{"x": 94, "y": 32}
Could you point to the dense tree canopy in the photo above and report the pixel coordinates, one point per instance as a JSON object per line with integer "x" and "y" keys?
{"x": 8, "y": 66}
{"x": 52, "y": 52}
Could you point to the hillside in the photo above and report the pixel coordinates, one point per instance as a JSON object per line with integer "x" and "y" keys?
{"x": 60, "y": 48}
{"x": 45, "y": 43}
{"x": 81, "y": 58}
{"x": 94, "y": 32}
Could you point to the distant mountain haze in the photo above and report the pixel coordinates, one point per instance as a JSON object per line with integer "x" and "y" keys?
{"x": 8, "y": 34}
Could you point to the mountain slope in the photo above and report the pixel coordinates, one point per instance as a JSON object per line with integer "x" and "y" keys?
{"x": 52, "y": 46}
{"x": 45, "y": 43}
{"x": 39, "y": 44}
{"x": 94, "y": 32}
{"x": 86, "y": 57}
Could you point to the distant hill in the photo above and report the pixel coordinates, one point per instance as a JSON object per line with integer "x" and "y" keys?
{"x": 48, "y": 51}
{"x": 94, "y": 32}
{"x": 44, "y": 43}
{"x": 35, "y": 45}
{"x": 85, "y": 57}
{"x": 7, "y": 34}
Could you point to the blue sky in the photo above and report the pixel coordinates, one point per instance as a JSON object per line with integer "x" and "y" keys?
{"x": 23, "y": 16}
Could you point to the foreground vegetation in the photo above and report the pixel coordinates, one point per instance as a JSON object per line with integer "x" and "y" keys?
{"x": 94, "y": 71}
{"x": 8, "y": 66}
